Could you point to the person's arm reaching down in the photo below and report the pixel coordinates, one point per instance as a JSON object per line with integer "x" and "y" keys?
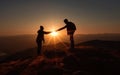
{"x": 61, "y": 28}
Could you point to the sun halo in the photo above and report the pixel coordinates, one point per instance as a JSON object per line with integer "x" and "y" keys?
{"x": 54, "y": 33}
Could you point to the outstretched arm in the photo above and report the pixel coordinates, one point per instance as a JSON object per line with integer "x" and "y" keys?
{"x": 46, "y": 32}
{"x": 61, "y": 28}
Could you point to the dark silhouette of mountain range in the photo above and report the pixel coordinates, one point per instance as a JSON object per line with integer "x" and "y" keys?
{"x": 102, "y": 44}
{"x": 12, "y": 44}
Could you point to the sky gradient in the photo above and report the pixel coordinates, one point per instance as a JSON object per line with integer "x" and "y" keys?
{"x": 90, "y": 16}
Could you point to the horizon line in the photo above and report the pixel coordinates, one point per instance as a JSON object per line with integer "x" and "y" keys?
{"x": 64, "y": 34}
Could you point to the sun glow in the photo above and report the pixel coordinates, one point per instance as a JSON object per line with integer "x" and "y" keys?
{"x": 54, "y": 33}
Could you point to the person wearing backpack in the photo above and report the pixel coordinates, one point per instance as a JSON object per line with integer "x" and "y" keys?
{"x": 71, "y": 28}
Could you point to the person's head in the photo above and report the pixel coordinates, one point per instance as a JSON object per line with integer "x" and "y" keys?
{"x": 41, "y": 28}
{"x": 66, "y": 21}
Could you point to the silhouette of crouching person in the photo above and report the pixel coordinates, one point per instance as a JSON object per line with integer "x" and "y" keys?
{"x": 40, "y": 39}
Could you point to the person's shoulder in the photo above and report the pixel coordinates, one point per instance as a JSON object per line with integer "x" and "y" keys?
{"x": 71, "y": 23}
{"x": 39, "y": 31}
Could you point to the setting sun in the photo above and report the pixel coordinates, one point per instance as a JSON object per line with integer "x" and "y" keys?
{"x": 54, "y": 33}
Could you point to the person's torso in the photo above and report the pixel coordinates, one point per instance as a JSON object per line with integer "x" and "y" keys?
{"x": 40, "y": 35}
{"x": 71, "y": 26}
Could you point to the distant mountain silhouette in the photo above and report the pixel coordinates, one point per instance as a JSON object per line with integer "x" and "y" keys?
{"x": 23, "y": 42}
{"x": 102, "y": 44}
{"x": 86, "y": 37}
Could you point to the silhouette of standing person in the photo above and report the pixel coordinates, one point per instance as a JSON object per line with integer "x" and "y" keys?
{"x": 40, "y": 39}
{"x": 70, "y": 31}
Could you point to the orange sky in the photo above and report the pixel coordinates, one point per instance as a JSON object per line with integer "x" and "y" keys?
{"x": 90, "y": 16}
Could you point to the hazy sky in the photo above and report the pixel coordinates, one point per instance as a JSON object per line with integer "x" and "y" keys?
{"x": 90, "y": 16}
